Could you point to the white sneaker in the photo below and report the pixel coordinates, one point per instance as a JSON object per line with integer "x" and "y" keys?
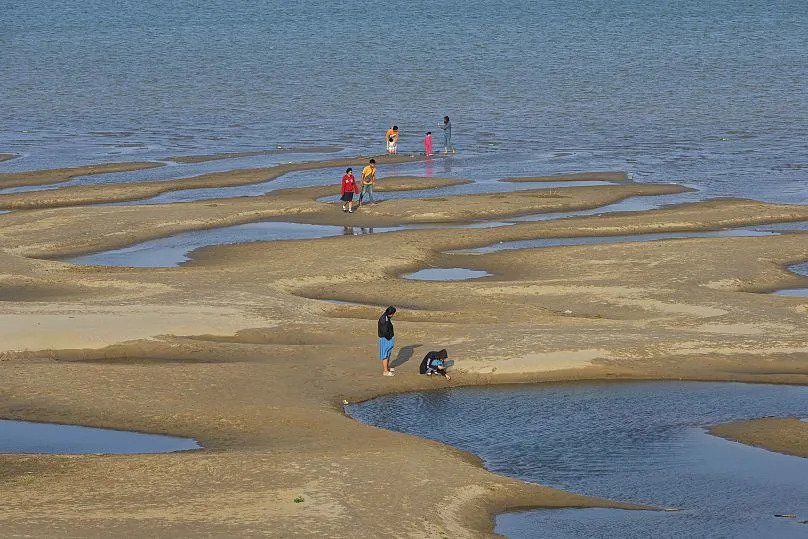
{"x": 388, "y": 373}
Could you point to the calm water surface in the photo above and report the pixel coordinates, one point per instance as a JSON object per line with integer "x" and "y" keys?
{"x": 594, "y": 240}
{"x": 29, "y": 437}
{"x": 641, "y": 442}
{"x": 446, "y": 274}
{"x": 706, "y": 93}
{"x": 174, "y": 250}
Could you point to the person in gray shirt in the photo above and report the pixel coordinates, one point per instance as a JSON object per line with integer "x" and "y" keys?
{"x": 447, "y": 135}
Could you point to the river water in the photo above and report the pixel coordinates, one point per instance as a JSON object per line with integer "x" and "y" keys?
{"x": 710, "y": 94}
{"x": 641, "y": 442}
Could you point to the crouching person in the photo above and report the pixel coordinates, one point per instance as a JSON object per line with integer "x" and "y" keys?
{"x": 435, "y": 363}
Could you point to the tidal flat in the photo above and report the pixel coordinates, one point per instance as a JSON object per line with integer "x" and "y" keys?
{"x": 252, "y": 347}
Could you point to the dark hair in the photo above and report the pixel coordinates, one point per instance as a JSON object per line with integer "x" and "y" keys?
{"x": 347, "y": 170}
{"x": 390, "y": 310}
{"x": 373, "y": 161}
{"x": 395, "y": 128}
{"x": 445, "y": 119}
{"x": 429, "y": 132}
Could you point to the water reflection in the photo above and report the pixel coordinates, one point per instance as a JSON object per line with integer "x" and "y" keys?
{"x": 358, "y": 230}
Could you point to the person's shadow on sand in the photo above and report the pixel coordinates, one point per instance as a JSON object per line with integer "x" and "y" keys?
{"x": 404, "y": 355}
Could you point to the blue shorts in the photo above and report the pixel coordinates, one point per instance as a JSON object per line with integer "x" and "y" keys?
{"x": 386, "y": 347}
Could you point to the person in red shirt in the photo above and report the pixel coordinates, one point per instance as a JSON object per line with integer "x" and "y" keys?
{"x": 348, "y": 189}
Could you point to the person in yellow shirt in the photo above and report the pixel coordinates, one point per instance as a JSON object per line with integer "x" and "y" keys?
{"x": 392, "y": 139}
{"x": 368, "y": 181}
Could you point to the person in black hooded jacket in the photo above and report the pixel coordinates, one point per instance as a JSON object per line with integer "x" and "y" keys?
{"x": 435, "y": 363}
{"x": 386, "y": 340}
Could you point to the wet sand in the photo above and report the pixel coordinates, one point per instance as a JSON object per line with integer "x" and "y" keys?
{"x": 604, "y": 176}
{"x": 235, "y": 350}
{"x": 786, "y": 435}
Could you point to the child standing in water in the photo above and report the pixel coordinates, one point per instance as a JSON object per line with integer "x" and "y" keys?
{"x": 348, "y": 189}
{"x": 428, "y": 143}
{"x": 392, "y": 140}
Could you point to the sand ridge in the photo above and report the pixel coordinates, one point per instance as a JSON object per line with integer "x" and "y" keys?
{"x": 603, "y": 176}
{"x": 54, "y": 176}
{"x": 787, "y": 435}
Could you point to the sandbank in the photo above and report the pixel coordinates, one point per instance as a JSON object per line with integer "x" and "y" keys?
{"x": 787, "y": 435}
{"x": 238, "y": 349}
{"x": 60, "y": 175}
{"x": 7, "y": 156}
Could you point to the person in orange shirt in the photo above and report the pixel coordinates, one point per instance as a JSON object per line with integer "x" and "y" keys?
{"x": 392, "y": 139}
{"x": 368, "y": 181}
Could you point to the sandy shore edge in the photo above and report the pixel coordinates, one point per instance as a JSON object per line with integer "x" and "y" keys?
{"x": 787, "y": 435}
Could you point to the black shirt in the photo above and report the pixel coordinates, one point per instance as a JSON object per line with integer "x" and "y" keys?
{"x": 386, "y": 327}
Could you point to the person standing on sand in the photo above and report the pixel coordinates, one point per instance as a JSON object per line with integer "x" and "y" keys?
{"x": 447, "y": 135}
{"x": 428, "y": 143}
{"x": 386, "y": 340}
{"x": 368, "y": 181}
{"x": 392, "y": 139}
{"x": 348, "y": 189}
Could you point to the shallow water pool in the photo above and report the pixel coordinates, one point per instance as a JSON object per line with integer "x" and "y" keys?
{"x": 594, "y": 240}
{"x": 446, "y": 274}
{"x": 174, "y": 250}
{"x": 799, "y": 269}
{"x": 30, "y": 437}
{"x": 641, "y": 442}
